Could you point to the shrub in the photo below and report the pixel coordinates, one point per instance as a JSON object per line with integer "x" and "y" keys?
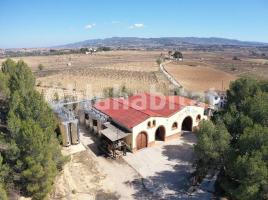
{"x": 235, "y": 58}
{"x": 178, "y": 55}
{"x": 41, "y": 67}
{"x": 159, "y": 61}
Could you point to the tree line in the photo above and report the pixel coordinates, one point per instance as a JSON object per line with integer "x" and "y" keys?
{"x": 29, "y": 150}
{"x": 234, "y": 145}
{"x": 50, "y": 52}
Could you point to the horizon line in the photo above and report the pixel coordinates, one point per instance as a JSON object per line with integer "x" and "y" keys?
{"x": 198, "y": 37}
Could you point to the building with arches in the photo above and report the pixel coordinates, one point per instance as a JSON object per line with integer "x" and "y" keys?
{"x": 144, "y": 119}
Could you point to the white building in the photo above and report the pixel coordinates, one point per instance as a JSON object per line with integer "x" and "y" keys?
{"x": 143, "y": 119}
{"x": 216, "y": 98}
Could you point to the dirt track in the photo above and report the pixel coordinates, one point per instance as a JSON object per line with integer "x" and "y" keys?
{"x": 199, "y": 78}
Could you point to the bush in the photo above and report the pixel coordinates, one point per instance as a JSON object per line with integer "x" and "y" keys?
{"x": 159, "y": 61}
{"x": 108, "y": 92}
{"x": 83, "y": 50}
{"x": 41, "y": 67}
{"x": 56, "y": 97}
{"x": 235, "y": 58}
{"x": 178, "y": 55}
{"x": 104, "y": 49}
{"x": 233, "y": 68}
{"x": 116, "y": 92}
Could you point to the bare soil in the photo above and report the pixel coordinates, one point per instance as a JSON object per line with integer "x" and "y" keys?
{"x": 89, "y": 175}
{"x": 88, "y": 75}
{"x": 80, "y": 179}
{"x": 199, "y": 77}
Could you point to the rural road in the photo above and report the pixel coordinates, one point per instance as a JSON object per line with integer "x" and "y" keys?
{"x": 169, "y": 77}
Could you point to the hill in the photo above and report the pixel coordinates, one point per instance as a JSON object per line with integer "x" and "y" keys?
{"x": 135, "y": 42}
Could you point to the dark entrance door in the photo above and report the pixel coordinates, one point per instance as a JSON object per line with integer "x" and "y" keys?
{"x": 141, "y": 140}
{"x": 187, "y": 124}
{"x": 160, "y": 134}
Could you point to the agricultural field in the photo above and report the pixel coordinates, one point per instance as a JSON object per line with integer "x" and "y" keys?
{"x": 88, "y": 75}
{"x": 201, "y": 71}
{"x": 245, "y": 63}
{"x": 199, "y": 77}
{"x": 85, "y": 76}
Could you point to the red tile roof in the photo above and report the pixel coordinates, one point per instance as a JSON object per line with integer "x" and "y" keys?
{"x": 119, "y": 112}
{"x": 136, "y": 109}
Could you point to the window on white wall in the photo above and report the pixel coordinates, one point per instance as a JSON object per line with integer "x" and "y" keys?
{"x": 149, "y": 124}
{"x": 174, "y": 125}
{"x": 198, "y": 118}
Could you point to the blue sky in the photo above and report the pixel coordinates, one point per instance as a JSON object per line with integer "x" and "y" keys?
{"x": 36, "y": 23}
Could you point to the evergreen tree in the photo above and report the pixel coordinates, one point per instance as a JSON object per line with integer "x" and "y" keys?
{"x": 4, "y": 170}
{"x": 178, "y": 55}
{"x": 211, "y": 148}
{"x": 3, "y": 194}
{"x": 33, "y": 153}
{"x": 244, "y": 170}
{"x": 4, "y": 90}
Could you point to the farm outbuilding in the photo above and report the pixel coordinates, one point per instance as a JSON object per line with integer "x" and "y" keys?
{"x": 142, "y": 120}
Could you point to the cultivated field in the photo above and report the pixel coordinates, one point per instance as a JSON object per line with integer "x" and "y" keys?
{"x": 202, "y": 70}
{"x": 245, "y": 65}
{"x": 88, "y": 75}
{"x": 198, "y": 78}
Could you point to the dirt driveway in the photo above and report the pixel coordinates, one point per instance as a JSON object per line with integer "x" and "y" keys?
{"x": 160, "y": 172}
{"x": 89, "y": 175}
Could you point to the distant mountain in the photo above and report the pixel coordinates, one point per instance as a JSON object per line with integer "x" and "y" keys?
{"x": 163, "y": 42}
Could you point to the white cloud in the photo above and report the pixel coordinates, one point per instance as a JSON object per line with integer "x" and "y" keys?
{"x": 137, "y": 26}
{"x": 90, "y": 26}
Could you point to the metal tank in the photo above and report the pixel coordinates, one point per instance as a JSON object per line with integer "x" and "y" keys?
{"x": 65, "y": 134}
{"x": 74, "y": 132}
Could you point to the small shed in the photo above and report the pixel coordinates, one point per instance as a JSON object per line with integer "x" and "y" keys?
{"x": 113, "y": 140}
{"x": 113, "y": 133}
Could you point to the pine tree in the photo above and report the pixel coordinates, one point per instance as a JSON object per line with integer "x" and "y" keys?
{"x": 244, "y": 170}
{"x": 33, "y": 154}
{"x": 3, "y": 194}
{"x": 4, "y": 170}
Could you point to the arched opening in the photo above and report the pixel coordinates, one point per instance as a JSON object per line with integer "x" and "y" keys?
{"x": 174, "y": 126}
{"x": 160, "y": 133}
{"x": 141, "y": 140}
{"x": 187, "y": 124}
